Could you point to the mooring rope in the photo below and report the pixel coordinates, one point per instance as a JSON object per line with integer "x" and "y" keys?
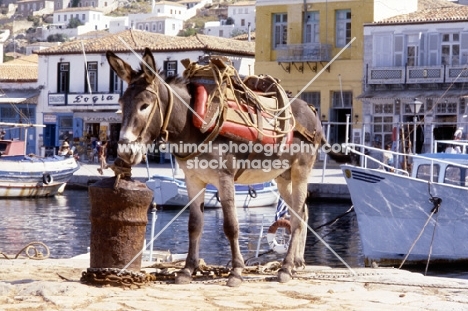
{"x": 33, "y": 246}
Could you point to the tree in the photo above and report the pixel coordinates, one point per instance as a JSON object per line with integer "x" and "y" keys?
{"x": 74, "y": 23}
{"x": 230, "y": 21}
{"x": 59, "y": 37}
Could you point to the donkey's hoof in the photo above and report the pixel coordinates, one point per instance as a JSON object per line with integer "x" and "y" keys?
{"x": 234, "y": 280}
{"x": 183, "y": 277}
{"x": 284, "y": 276}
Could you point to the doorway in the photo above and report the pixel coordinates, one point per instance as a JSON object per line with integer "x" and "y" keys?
{"x": 338, "y": 131}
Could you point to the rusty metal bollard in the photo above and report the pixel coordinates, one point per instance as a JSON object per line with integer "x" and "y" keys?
{"x": 118, "y": 222}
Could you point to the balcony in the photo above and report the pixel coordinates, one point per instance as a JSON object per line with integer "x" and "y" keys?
{"x": 298, "y": 54}
{"x": 417, "y": 74}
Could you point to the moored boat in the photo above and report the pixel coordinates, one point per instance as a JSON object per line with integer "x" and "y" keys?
{"x": 411, "y": 218}
{"x": 30, "y": 175}
{"x": 170, "y": 191}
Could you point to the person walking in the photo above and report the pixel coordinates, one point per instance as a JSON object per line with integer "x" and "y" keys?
{"x": 102, "y": 155}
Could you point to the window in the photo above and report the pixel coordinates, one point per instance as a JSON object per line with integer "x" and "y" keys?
{"x": 455, "y": 176}
{"x": 63, "y": 77}
{"x": 280, "y": 29}
{"x": 170, "y": 67}
{"x": 242, "y": 22}
{"x": 450, "y": 49}
{"x": 83, "y": 17}
{"x": 343, "y": 27}
{"x": 383, "y": 122}
{"x": 154, "y": 27}
{"x": 312, "y": 30}
{"x": 424, "y": 172}
{"x": 313, "y": 99}
{"x": 221, "y": 33}
{"x": 412, "y": 50}
{"x": 342, "y": 99}
{"x": 91, "y": 79}
{"x": 115, "y": 82}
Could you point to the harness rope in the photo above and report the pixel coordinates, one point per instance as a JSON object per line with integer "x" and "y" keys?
{"x": 226, "y": 78}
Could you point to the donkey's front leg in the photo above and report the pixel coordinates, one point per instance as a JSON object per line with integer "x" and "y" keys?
{"x": 295, "y": 255}
{"x": 195, "y": 189}
{"x": 231, "y": 229}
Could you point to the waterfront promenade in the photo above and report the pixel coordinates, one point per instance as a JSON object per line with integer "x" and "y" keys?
{"x": 54, "y": 284}
{"x": 327, "y": 184}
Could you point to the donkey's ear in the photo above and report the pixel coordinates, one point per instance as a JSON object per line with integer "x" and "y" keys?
{"x": 121, "y": 68}
{"x": 149, "y": 66}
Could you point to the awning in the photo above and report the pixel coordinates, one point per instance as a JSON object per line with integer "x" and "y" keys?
{"x": 17, "y": 97}
{"x": 411, "y": 94}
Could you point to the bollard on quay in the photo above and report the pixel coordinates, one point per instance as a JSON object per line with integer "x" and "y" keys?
{"x": 118, "y": 222}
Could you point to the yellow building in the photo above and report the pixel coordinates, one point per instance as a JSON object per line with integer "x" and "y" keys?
{"x": 304, "y": 43}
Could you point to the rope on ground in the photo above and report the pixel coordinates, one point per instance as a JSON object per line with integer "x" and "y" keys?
{"x": 36, "y": 254}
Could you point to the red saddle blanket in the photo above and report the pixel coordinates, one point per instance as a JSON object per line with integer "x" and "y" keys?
{"x": 234, "y": 126}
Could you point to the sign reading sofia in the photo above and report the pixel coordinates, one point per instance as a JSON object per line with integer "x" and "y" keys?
{"x": 95, "y": 99}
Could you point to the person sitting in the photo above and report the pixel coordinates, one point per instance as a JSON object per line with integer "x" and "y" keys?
{"x": 65, "y": 149}
{"x": 388, "y": 158}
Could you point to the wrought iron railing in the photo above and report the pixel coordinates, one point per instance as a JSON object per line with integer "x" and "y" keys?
{"x": 309, "y": 52}
{"x": 417, "y": 74}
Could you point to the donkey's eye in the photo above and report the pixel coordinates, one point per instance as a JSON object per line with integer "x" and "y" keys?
{"x": 143, "y": 107}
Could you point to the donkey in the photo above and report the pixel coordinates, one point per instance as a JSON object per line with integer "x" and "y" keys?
{"x": 152, "y": 107}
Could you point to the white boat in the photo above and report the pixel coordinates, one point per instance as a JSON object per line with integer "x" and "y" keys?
{"x": 415, "y": 218}
{"x": 169, "y": 191}
{"x": 30, "y": 175}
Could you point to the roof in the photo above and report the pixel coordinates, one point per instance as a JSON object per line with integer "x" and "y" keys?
{"x": 443, "y": 12}
{"x": 245, "y": 36}
{"x": 26, "y": 96}
{"x": 79, "y": 9}
{"x": 138, "y": 40}
{"x": 169, "y": 3}
{"x": 24, "y": 69}
{"x": 243, "y": 3}
{"x": 431, "y": 4}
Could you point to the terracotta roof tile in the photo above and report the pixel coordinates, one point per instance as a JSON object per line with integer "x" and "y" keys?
{"x": 138, "y": 40}
{"x": 449, "y": 13}
{"x": 18, "y": 73}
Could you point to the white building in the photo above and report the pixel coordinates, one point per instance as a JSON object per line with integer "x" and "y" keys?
{"x": 243, "y": 15}
{"x": 91, "y": 18}
{"x": 80, "y": 93}
{"x": 417, "y": 58}
{"x": 160, "y": 24}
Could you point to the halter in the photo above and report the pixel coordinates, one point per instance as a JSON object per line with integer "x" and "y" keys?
{"x": 164, "y": 134}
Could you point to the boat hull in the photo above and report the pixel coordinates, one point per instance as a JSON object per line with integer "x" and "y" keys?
{"x": 171, "y": 192}
{"x": 25, "y": 176}
{"x": 393, "y": 210}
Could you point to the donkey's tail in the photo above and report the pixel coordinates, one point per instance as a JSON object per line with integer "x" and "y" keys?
{"x": 337, "y": 156}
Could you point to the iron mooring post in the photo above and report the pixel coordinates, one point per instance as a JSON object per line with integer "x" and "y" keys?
{"x": 119, "y": 216}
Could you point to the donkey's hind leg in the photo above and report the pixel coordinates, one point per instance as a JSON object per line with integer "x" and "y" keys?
{"x": 231, "y": 229}
{"x": 195, "y": 227}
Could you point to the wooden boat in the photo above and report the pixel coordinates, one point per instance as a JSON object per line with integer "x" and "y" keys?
{"x": 24, "y": 175}
{"x": 415, "y": 217}
{"x": 169, "y": 191}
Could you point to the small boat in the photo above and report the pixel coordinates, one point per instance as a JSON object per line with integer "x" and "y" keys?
{"x": 169, "y": 191}
{"x": 411, "y": 218}
{"x": 30, "y": 175}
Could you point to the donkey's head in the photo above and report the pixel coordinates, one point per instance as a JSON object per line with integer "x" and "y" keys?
{"x": 140, "y": 105}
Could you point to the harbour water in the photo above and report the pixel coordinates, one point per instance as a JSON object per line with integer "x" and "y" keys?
{"x": 62, "y": 223}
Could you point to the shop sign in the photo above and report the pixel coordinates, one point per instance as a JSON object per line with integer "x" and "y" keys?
{"x": 93, "y": 99}
{"x": 50, "y": 118}
{"x": 56, "y": 99}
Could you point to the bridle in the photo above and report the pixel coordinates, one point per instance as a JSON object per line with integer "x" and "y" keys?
{"x": 164, "y": 134}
